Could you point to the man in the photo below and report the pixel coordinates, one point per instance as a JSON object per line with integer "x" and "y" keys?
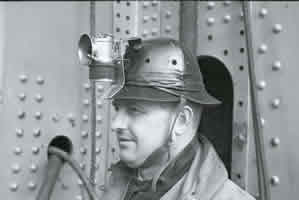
{"x": 157, "y": 115}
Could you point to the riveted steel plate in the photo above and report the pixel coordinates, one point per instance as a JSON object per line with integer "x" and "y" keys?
{"x": 45, "y": 92}
{"x": 275, "y": 42}
{"x": 146, "y": 19}
{"x": 221, "y": 35}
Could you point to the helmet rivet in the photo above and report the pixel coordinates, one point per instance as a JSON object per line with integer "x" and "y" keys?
{"x": 168, "y": 29}
{"x": 174, "y": 62}
{"x": 22, "y": 96}
{"x": 19, "y": 132}
{"x": 147, "y": 60}
{"x": 145, "y": 4}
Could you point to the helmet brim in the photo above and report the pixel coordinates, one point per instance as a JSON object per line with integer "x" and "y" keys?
{"x": 164, "y": 95}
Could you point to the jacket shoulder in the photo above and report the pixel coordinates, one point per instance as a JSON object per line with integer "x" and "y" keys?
{"x": 231, "y": 191}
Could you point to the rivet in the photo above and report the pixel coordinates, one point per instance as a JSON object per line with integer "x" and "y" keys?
{"x": 277, "y": 28}
{"x": 261, "y": 85}
{"x": 85, "y": 118}
{"x": 145, "y": 4}
{"x": 21, "y": 114}
{"x": 79, "y": 197}
{"x": 275, "y": 103}
{"x": 83, "y": 150}
{"x": 33, "y": 168}
{"x": 16, "y": 168}
{"x": 31, "y": 185}
{"x": 82, "y": 166}
{"x": 38, "y": 115}
{"x": 38, "y": 98}
{"x": 263, "y": 12}
{"x": 99, "y": 119}
{"x": 241, "y": 139}
{"x": 98, "y": 134}
{"x": 84, "y": 134}
{"x": 71, "y": 117}
{"x": 275, "y": 180}
{"x": 227, "y": 18}
{"x": 262, "y": 122}
{"x": 35, "y": 150}
{"x": 80, "y": 182}
{"x": 154, "y": 31}
{"x": 99, "y": 103}
{"x": 241, "y": 14}
{"x": 22, "y": 96}
{"x": 144, "y": 33}
{"x": 276, "y": 66}
{"x": 37, "y": 132}
{"x": 64, "y": 186}
{"x": 100, "y": 88}
{"x": 167, "y": 29}
{"x": 98, "y": 150}
{"x": 275, "y": 141}
{"x": 55, "y": 117}
{"x": 86, "y": 86}
{"x": 18, "y": 150}
{"x": 168, "y": 14}
{"x": 227, "y": 3}
{"x": 145, "y": 19}
{"x": 154, "y": 17}
{"x": 211, "y": 21}
{"x": 86, "y": 102}
{"x": 263, "y": 48}
{"x": 211, "y": 5}
{"x": 154, "y": 3}
{"x": 19, "y": 132}
{"x": 23, "y": 78}
{"x": 40, "y": 80}
{"x": 14, "y": 187}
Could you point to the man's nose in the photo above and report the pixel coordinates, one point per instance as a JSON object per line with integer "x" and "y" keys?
{"x": 120, "y": 120}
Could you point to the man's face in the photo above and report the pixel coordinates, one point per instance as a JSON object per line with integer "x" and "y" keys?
{"x": 141, "y": 128}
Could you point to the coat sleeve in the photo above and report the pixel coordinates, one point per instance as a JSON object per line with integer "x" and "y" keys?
{"x": 231, "y": 191}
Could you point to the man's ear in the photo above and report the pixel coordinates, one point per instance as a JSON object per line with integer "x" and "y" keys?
{"x": 184, "y": 120}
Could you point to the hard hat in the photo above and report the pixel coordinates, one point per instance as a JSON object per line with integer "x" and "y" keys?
{"x": 163, "y": 70}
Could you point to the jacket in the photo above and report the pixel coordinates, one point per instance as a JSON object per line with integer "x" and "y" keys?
{"x": 206, "y": 179}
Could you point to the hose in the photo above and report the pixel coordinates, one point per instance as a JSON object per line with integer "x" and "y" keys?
{"x": 258, "y": 137}
{"x": 75, "y": 166}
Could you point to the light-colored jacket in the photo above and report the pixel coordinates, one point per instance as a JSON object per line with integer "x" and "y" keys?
{"x": 207, "y": 179}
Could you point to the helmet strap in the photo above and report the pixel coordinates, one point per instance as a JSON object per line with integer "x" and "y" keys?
{"x": 171, "y": 136}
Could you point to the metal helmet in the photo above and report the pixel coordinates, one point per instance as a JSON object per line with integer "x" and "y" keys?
{"x": 162, "y": 70}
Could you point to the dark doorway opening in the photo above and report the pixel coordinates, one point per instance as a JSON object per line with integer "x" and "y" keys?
{"x": 216, "y": 122}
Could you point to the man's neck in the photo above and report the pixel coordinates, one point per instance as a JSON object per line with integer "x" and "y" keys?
{"x": 160, "y": 159}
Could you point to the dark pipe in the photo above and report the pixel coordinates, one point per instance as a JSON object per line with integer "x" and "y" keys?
{"x": 54, "y": 166}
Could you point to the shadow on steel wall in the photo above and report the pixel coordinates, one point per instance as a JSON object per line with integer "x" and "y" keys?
{"x": 216, "y": 122}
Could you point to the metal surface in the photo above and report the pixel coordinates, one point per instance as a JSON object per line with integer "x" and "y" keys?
{"x": 221, "y": 35}
{"x": 44, "y": 92}
{"x": 275, "y": 39}
{"x": 146, "y": 19}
